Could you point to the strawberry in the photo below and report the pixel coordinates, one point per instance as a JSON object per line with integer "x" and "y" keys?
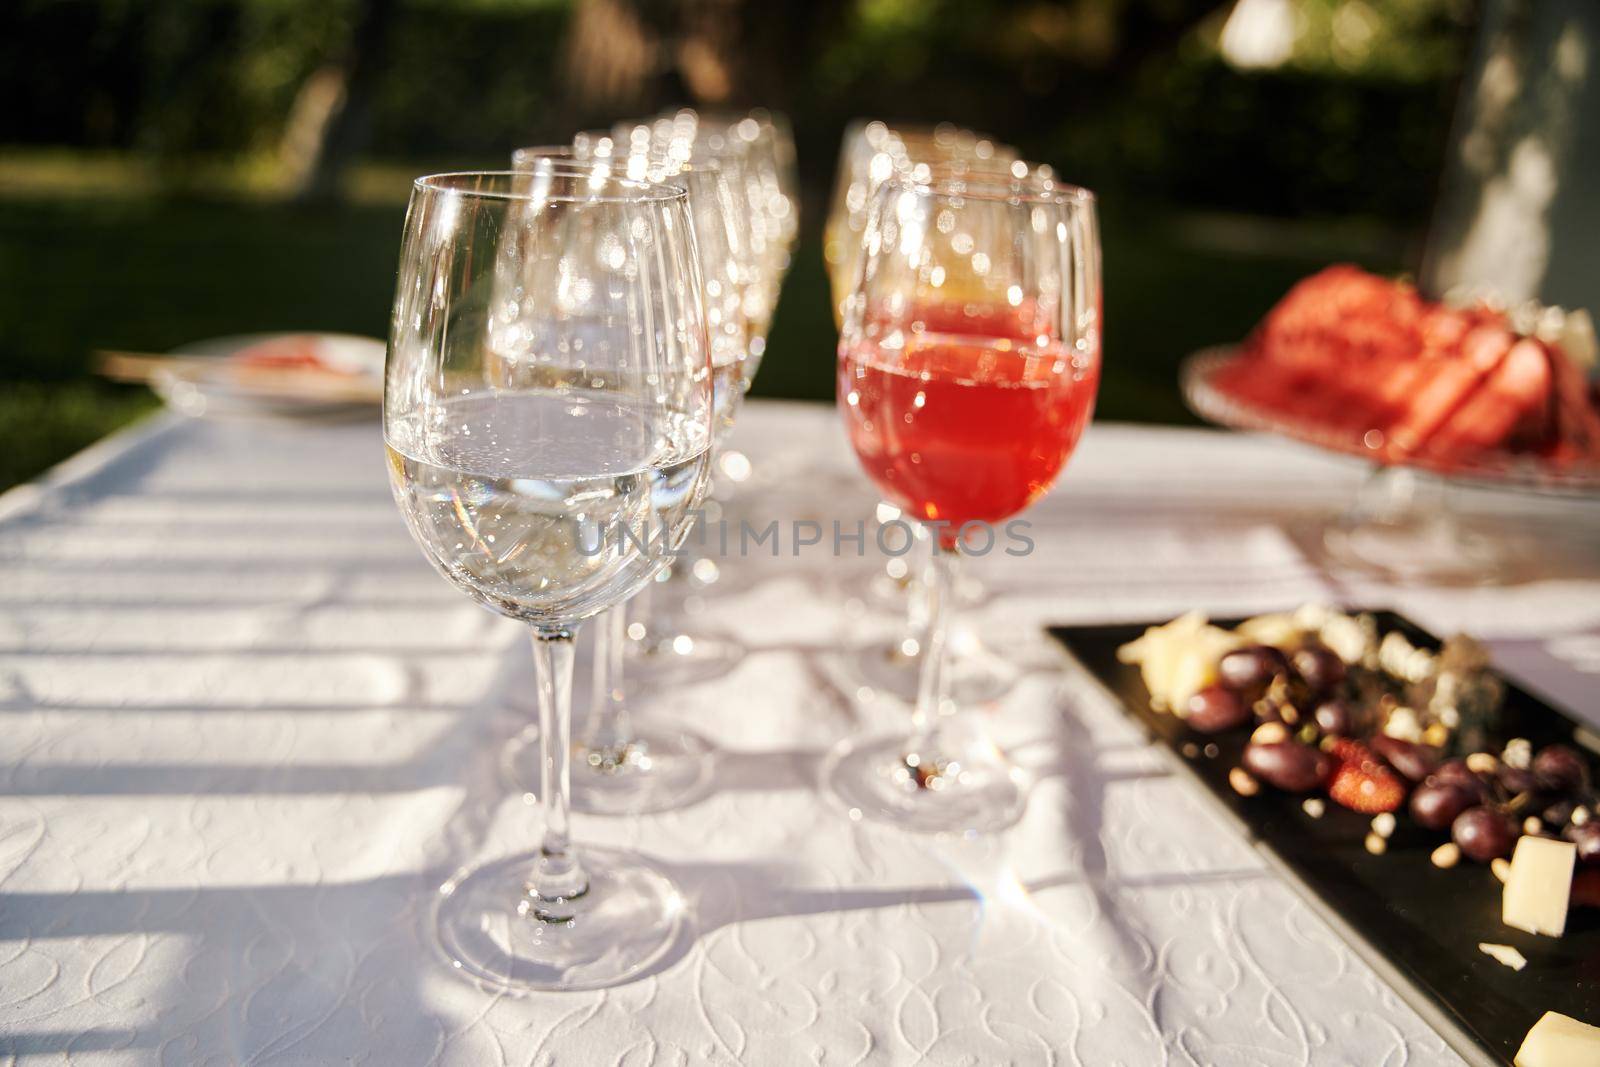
{"x": 1361, "y": 781}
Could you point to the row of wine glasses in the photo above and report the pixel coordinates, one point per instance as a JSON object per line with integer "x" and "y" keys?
{"x": 569, "y": 344}
{"x": 735, "y": 173}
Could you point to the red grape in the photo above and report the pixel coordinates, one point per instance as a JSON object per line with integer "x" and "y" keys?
{"x": 1436, "y": 804}
{"x": 1289, "y": 765}
{"x": 1319, "y": 667}
{"x": 1252, "y": 668}
{"x": 1214, "y": 709}
{"x": 1413, "y": 760}
{"x": 1484, "y": 833}
{"x": 1334, "y": 717}
{"x": 1560, "y": 769}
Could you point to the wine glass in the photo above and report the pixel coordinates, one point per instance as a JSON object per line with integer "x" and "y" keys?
{"x": 889, "y": 664}
{"x": 968, "y": 365}
{"x": 629, "y": 763}
{"x": 872, "y": 153}
{"x": 663, "y": 646}
{"x": 547, "y": 416}
{"x": 758, "y": 147}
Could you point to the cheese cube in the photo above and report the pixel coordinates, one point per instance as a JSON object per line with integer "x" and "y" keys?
{"x": 1557, "y": 1041}
{"x": 1538, "y": 886}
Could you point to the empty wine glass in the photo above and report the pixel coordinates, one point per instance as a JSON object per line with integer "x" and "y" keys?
{"x": 627, "y": 762}
{"x": 872, "y": 153}
{"x": 968, "y": 365}
{"x": 547, "y": 416}
{"x": 665, "y": 647}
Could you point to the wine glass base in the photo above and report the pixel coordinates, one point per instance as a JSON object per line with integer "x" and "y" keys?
{"x": 1401, "y": 529}
{"x": 1406, "y": 556}
{"x": 628, "y": 919}
{"x": 870, "y": 778}
{"x": 887, "y": 668}
{"x": 682, "y": 659}
{"x": 664, "y": 767}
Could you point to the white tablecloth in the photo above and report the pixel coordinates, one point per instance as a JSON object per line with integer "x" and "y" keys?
{"x": 245, "y": 731}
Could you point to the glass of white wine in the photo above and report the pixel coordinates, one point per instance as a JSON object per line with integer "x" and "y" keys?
{"x": 548, "y": 418}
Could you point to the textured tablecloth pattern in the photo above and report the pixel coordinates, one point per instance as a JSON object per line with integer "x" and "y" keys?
{"x": 245, "y": 731}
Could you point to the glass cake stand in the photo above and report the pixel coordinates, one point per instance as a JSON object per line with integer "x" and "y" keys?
{"x": 1401, "y": 526}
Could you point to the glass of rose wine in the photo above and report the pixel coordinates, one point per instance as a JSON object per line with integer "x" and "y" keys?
{"x": 968, "y": 363}
{"x": 548, "y": 420}
{"x": 888, "y": 664}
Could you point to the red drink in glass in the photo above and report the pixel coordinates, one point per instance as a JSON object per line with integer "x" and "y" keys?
{"x": 965, "y": 427}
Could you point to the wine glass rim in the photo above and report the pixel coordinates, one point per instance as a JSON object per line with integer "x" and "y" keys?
{"x": 639, "y": 192}
{"x": 564, "y": 153}
{"x": 700, "y": 155}
{"x": 992, "y": 185}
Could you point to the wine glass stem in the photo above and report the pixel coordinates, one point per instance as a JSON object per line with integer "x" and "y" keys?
{"x": 933, "y": 682}
{"x": 558, "y": 879}
{"x": 609, "y": 732}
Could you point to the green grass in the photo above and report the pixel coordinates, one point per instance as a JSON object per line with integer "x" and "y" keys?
{"x": 92, "y": 264}
{"x": 42, "y": 423}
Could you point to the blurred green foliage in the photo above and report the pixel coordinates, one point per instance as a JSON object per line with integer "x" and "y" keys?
{"x": 1110, "y": 90}
{"x": 220, "y": 76}
{"x": 42, "y": 423}
{"x": 139, "y": 161}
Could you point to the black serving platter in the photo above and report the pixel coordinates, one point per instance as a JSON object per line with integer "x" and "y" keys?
{"x": 1417, "y": 925}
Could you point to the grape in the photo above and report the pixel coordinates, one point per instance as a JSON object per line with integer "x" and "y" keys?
{"x": 1560, "y": 769}
{"x": 1585, "y": 889}
{"x": 1587, "y": 838}
{"x": 1334, "y": 717}
{"x": 1252, "y": 667}
{"x": 1515, "y": 780}
{"x": 1413, "y": 760}
{"x": 1484, "y": 833}
{"x": 1436, "y": 804}
{"x": 1289, "y": 765}
{"x": 1214, "y": 709}
{"x": 1456, "y": 772}
{"x": 1320, "y": 668}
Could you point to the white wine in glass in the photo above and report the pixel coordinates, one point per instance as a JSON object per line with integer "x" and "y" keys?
{"x": 548, "y": 420}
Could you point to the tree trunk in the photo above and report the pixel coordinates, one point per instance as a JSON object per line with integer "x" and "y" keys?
{"x": 328, "y": 124}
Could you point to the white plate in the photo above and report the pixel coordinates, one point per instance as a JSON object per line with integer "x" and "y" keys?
{"x": 214, "y": 384}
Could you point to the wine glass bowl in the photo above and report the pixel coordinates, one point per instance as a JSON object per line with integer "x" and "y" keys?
{"x": 872, "y": 153}
{"x": 548, "y": 419}
{"x": 525, "y": 434}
